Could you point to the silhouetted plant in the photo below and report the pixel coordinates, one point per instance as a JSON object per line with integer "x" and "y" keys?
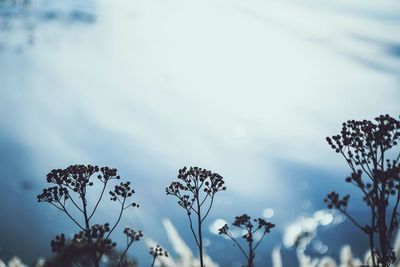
{"x": 70, "y": 193}
{"x": 369, "y": 148}
{"x": 157, "y": 252}
{"x": 131, "y": 237}
{"x": 195, "y": 188}
{"x": 80, "y": 255}
{"x": 245, "y": 223}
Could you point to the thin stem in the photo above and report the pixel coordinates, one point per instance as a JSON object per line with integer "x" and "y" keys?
{"x": 371, "y": 245}
{"x": 154, "y": 260}
{"x": 209, "y": 208}
{"x": 259, "y": 241}
{"x": 119, "y": 218}
{"x": 201, "y": 204}
{"x": 352, "y": 220}
{"x": 251, "y": 251}
{"x": 69, "y": 215}
{"x": 73, "y": 201}
{"x": 192, "y": 229}
{"x": 55, "y": 206}
{"x": 371, "y": 237}
{"x": 199, "y": 224}
{"x": 367, "y": 172}
{"x": 238, "y": 245}
{"x": 398, "y": 158}
{"x": 193, "y": 209}
{"x": 370, "y": 202}
{"x": 98, "y": 201}
{"x": 394, "y": 216}
{"x": 87, "y": 224}
{"x": 124, "y": 253}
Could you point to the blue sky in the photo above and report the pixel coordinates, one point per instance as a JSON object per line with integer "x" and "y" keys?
{"x": 248, "y": 89}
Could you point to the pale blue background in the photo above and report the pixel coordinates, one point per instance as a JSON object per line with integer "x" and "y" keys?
{"x": 249, "y": 89}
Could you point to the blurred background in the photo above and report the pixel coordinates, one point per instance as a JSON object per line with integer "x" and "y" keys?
{"x": 246, "y": 88}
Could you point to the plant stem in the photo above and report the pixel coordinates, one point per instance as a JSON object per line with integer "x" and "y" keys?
{"x": 199, "y": 222}
{"x": 154, "y": 260}
{"x": 87, "y": 225}
{"x": 123, "y": 255}
{"x": 251, "y": 256}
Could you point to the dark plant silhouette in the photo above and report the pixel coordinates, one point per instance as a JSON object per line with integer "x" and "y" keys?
{"x": 70, "y": 195}
{"x": 157, "y": 252}
{"x": 196, "y": 189}
{"x": 371, "y": 151}
{"x": 245, "y": 223}
{"x": 78, "y": 253}
{"x": 131, "y": 237}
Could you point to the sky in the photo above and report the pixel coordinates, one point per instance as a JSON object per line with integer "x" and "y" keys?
{"x": 248, "y": 89}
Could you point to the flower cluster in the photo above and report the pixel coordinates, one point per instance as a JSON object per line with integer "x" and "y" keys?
{"x": 72, "y": 184}
{"x": 196, "y": 187}
{"x": 98, "y": 235}
{"x": 53, "y": 194}
{"x": 223, "y": 230}
{"x": 108, "y": 174}
{"x": 75, "y": 177}
{"x": 361, "y": 139}
{"x": 122, "y": 190}
{"x": 245, "y": 223}
{"x": 58, "y": 244}
{"x": 158, "y": 251}
{"x": 263, "y": 224}
{"x": 132, "y": 235}
{"x": 367, "y": 147}
{"x": 333, "y": 200}
{"x": 193, "y": 181}
{"x": 95, "y": 239}
{"x": 193, "y": 177}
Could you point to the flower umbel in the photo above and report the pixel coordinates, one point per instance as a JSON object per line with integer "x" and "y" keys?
{"x": 196, "y": 188}
{"x": 250, "y": 227}
{"x": 69, "y": 191}
{"x": 370, "y": 149}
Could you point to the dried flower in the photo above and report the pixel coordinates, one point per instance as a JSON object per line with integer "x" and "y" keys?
{"x": 71, "y": 185}
{"x": 370, "y": 149}
{"x": 245, "y": 223}
{"x": 195, "y": 188}
{"x": 157, "y": 251}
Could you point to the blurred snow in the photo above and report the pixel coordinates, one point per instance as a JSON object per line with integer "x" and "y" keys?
{"x": 304, "y": 229}
{"x": 184, "y": 257}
